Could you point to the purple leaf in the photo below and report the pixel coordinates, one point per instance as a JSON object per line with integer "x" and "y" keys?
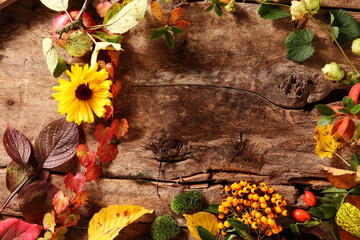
{"x": 16, "y": 145}
{"x": 56, "y": 143}
{"x": 15, "y": 229}
{"x": 36, "y": 200}
{"x": 15, "y": 174}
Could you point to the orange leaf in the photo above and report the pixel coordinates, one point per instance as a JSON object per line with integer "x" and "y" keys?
{"x": 107, "y": 66}
{"x": 106, "y": 153}
{"x": 109, "y": 112}
{"x": 102, "y": 8}
{"x": 93, "y": 172}
{"x": 60, "y": 202}
{"x": 341, "y": 178}
{"x": 336, "y": 126}
{"x": 354, "y": 92}
{"x": 49, "y": 221}
{"x": 181, "y": 24}
{"x": 175, "y": 15}
{"x": 85, "y": 156}
{"x": 114, "y": 56}
{"x": 120, "y": 127}
{"x": 80, "y": 199}
{"x": 115, "y": 88}
{"x": 75, "y": 183}
{"x": 103, "y": 135}
{"x": 343, "y": 125}
{"x": 156, "y": 11}
{"x": 349, "y": 132}
{"x": 68, "y": 218}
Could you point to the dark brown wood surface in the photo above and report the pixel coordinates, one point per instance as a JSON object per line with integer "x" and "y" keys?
{"x": 224, "y": 77}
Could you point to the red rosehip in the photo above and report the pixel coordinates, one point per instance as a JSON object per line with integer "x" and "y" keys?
{"x": 63, "y": 19}
{"x": 309, "y": 198}
{"x": 301, "y": 215}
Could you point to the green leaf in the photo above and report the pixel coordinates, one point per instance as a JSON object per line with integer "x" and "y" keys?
{"x": 271, "y": 12}
{"x": 55, "y": 63}
{"x": 230, "y": 236}
{"x": 213, "y": 1}
{"x": 103, "y": 46}
{"x": 312, "y": 223}
{"x": 329, "y": 210}
{"x": 78, "y": 44}
{"x": 355, "y": 109}
{"x": 326, "y": 120}
{"x": 347, "y": 25}
{"x": 209, "y": 8}
{"x": 355, "y": 190}
{"x": 333, "y": 189}
{"x": 15, "y": 174}
{"x": 218, "y": 10}
{"x": 156, "y": 33}
{"x": 213, "y": 208}
{"x": 348, "y": 102}
{"x": 204, "y": 233}
{"x": 334, "y": 30}
{"x": 114, "y": 38}
{"x": 325, "y": 110}
{"x": 169, "y": 39}
{"x": 294, "y": 228}
{"x": 299, "y": 45}
{"x": 240, "y": 227}
{"x": 56, "y": 5}
{"x": 129, "y": 16}
{"x": 355, "y": 160}
{"x": 177, "y": 30}
{"x": 341, "y": 110}
{"x": 316, "y": 212}
{"x": 165, "y": 1}
{"x": 338, "y": 200}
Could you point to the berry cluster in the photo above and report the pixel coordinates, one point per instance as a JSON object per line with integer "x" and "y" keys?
{"x": 255, "y": 205}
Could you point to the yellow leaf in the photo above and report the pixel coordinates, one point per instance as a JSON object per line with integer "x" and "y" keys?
{"x": 106, "y": 224}
{"x": 326, "y": 143}
{"x": 204, "y": 219}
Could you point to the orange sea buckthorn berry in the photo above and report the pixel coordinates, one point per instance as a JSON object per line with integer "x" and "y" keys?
{"x": 262, "y": 199}
{"x": 267, "y": 197}
{"x": 255, "y": 225}
{"x": 275, "y": 231}
{"x": 253, "y": 190}
{"x": 226, "y": 210}
{"x": 227, "y": 188}
{"x": 241, "y": 193}
{"x": 221, "y": 208}
{"x": 284, "y": 203}
{"x": 273, "y": 200}
{"x": 254, "y": 205}
{"x": 235, "y": 202}
{"x": 244, "y": 220}
{"x": 246, "y": 190}
{"x": 256, "y": 197}
{"x": 278, "y": 209}
{"x": 278, "y": 196}
{"x": 284, "y": 212}
{"x": 245, "y": 215}
{"x": 233, "y": 186}
{"x": 239, "y": 208}
{"x": 223, "y": 233}
{"x": 250, "y": 196}
{"x": 229, "y": 199}
{"x": 226, "y": 224}
{"x": 253, "y": 212}
{"x": 270, "y": 215}
{"x": 258, "y": 215}
{"x": 221, "y": 225}
{"x": 270, "y": 190}
{"x": 250, "y": 220}
{"x": 243, "y": 183}
{"x": 240, "y": 200}
{"x": 227, "y": 204}
{"x": 264, "y": 219}
{"x": 264, "y": 188}
{"x": 268, "y": 210}
{"x": 254, "y": 186}
{"x": 221, "y": 216}
{"x": 234, "y": 192}
{"x": 263, "y": 205}
{"x": 278, "y": 203}
{"x": 268, "y": 233}
{"x": 247, "y": 203}
{"x": 280, "y": 228}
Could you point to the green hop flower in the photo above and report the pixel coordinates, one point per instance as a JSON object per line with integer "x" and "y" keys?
{"x": 333, "y": 72}
{"x": 300, "y": 8}
{"x": 355, "y": 47}
{"x": 231, "y": 7}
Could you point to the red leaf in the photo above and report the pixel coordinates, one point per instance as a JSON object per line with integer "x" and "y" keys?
{"x": 49, "y": 221}
{"x": 181, "y": 24}
{"x": 15, "y": 229}
{"x": 349, "y": 132}
{"x": 175, "y": 15}
{"x": 16, "y": 145}
{"x": 335, "y": 108}
{"x": 156, "y": 11}
{"x": 68, "y": 218}
{"x": 343, "y": 125}
{"x": 109, "y": 112}
{"x": 85, "y": 156}
{"x": 354, "y": 92}
{"x": 106, "y": 153}
{"x": 119, "y": 127}
{"x": 115, "y": 88}
{"x": 336, "y": 126}
{"x": 102, "y": 8}
{"x": 108, "y": 67}
{"x": 60, "y": 202}
{"x": 114, "y": 56}
{"x": 80, "y": 199}
{"x": 93, "y": 172}
{"x": 75, "y": 183}
{"x": 103, "y": 135}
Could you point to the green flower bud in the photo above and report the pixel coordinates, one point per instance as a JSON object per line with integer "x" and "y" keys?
{"x": 355, "y": 47}
{"x": 231, "y": 7}
{"x": 333, "y": 72}
{"x": 299, "y": 9}
{"x": 351, "y": 78}
{"x": 313, "y": 5}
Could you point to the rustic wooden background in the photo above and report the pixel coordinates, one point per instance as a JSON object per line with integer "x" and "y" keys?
{"x": 224, "y": 77}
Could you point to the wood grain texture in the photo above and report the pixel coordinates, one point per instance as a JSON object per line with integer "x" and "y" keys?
{"x": 226, "y": 76}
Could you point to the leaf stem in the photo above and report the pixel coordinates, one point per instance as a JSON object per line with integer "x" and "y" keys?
{"x": 86, "y": 3}
{"x": 332, "y": 37}
{"x": 329, "y": 228}
{"x": 271, "y": 3}
{"x": 16, "y": 190}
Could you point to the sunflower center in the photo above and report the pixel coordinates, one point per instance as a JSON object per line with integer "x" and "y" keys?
{"x": 83, "y": 92}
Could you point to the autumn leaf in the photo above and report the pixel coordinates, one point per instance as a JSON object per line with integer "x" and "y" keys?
{"x": 181, "y": 24}
{"x": 109, "y": 68}
{"x": 79, "y": 200}
{"x": 119, "y": 127}
{"x": 175, "y": 15}
{"x": 57, "y": 235}
{"x": 109, "y": 112}
{"x": 354, "y": 92}
{"x": 114, "y": 56}
{"x": 204, "y": 219}
{"x": 93, "y": 172}
{"x": 49, "y": 221}
{"x": 15, "y": 229}
{"x": 106, "y": 152}
{"x": 106, "y": 224}
{"x": 156, "y": 11}
{"x": 75, "y": 183}
{"x": 102, "y": 134}
{"x": 85, "y": 156}
{"x": 341, "y": 178}
{"x": 68, "y": 218}
{"x": 60, "y": 202}
{"x": 327, "y": 143}
{"x": 115, "y": 88}
{"x": 102, "y": 8}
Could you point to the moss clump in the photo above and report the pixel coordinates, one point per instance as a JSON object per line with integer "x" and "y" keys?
{"x": 186, "y": 202}
{"x": 164, "y": 228}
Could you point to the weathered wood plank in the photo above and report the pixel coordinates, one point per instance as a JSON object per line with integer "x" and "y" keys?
{"x": 4, "y": 3}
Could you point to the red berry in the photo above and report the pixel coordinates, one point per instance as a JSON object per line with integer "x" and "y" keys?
{"x": 309, "y": 198}
{"x": 301, "y": 215}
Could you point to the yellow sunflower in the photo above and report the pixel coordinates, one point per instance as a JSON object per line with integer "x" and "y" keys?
{"x": 87, "y": 92}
